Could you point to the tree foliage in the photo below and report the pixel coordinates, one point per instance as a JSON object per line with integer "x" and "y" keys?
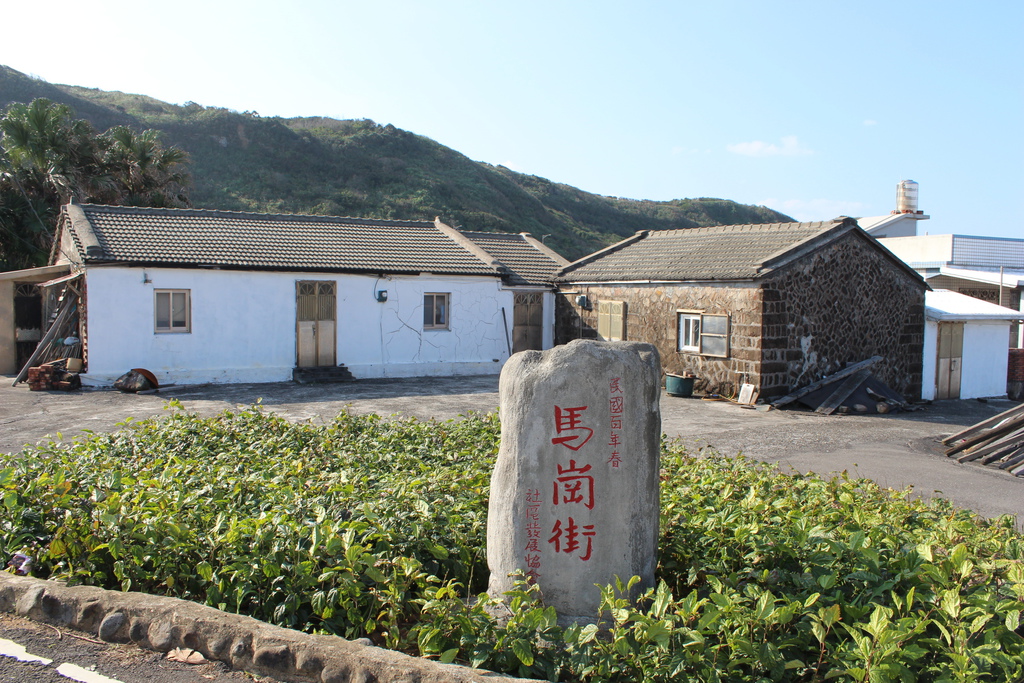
{"x": 48, "y": 157}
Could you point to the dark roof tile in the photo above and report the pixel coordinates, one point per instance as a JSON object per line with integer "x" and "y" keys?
{"x": 528, "y": 262}
{"x": 199, "y": 237}
{"x": 724, "y": 252}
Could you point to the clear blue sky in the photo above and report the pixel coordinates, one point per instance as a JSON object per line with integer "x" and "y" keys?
{"x": 812, "y": 108}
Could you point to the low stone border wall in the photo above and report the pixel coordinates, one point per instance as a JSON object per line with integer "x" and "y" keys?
{"x": 161, "y": 624}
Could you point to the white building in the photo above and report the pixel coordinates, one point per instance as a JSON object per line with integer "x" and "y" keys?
{"x": 965, "y": 346}
{"x": 214, "y": 296}
{"x": 986, "y": 268}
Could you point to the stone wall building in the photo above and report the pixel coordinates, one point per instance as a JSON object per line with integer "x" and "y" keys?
{"x": 777, "y": 306}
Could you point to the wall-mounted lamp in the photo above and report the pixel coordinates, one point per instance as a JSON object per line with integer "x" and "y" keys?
{"x": 145, "y": 279}
{"x": 583, "y": 302}
{"x": 382, "y": 295}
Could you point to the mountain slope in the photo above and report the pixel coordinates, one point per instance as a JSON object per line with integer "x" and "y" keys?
{"x": 241, "y": 161}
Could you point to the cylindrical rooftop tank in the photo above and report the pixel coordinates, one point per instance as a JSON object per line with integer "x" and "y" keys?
{"x": 906, "y": 197}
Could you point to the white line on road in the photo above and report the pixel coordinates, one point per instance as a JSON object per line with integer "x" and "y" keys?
{"x": 9, "y": 648}
{"x": 77, "y": 673}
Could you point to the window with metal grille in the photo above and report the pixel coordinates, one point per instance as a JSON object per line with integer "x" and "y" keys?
{"x": 315, "y": 300}
{"x": 173, "y": 310}
{"x": 611, "y": 320}
{"x": 435, "y": 311}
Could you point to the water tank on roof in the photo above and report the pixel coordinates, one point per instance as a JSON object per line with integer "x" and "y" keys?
{"x": 906, "y": 197}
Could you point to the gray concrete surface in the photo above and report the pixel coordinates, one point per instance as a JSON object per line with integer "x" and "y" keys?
{"x": 896, "y": 450}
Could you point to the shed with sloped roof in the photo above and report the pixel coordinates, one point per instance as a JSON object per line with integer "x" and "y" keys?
{"x": 776, "y": 305}
{"x": 219, "y": 296}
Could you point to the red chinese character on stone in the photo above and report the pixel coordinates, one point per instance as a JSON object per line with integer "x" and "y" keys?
{"x": 575, "y": 485}
{"x": 613, "y": 386}
{"x": 615, "y": 460}
{"x": 615, "y": 405}
{"x": 570, "y": 420}
{"x": 567, "y": 540}
{"x": 616, "y": 423}
{"x": 615, "y": 440}
{"x": 532, "y": 495}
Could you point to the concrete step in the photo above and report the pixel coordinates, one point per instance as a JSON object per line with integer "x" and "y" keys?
{"x": 329, "y": 374}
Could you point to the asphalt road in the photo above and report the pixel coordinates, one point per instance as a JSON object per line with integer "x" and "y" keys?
{"x": 52, "y": 655}
{"x": 896, "y": 450}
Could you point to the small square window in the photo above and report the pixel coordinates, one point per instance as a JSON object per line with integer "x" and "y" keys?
{"x": 435, "y": 311}
{"x": 172, "y": 310}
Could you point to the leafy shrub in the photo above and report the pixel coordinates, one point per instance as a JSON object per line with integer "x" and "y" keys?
{"x": 376, "y": 527}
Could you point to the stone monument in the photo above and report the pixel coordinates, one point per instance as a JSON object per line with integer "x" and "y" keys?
{"x": 575, "y": 491}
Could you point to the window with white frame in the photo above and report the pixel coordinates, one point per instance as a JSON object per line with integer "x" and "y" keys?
{"x": 703, "y": 333}
{"x": 172, "y": 310}
{"x": 689, "y": 332}
{"x": 435, "y": 311}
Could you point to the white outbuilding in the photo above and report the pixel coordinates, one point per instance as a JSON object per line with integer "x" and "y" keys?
{"x": 966, "y": 346}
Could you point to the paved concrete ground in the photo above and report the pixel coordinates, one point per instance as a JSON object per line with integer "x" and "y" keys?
{"x": 896, "y": 450}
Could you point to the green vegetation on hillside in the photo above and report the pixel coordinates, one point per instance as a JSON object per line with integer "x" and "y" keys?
{"x": 372, "y": 527}
{"x": 241, "y": 161}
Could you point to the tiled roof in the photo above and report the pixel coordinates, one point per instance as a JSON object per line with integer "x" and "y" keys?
{"x": 724, "y": 252}
{"x": 528, "y": 262}
{"x": 192, "y": 237}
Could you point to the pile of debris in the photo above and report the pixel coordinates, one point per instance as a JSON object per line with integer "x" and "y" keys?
{"x": 997, "y": 442}
{"x": 851, "y": 390}
{"x": 56, "y": 375}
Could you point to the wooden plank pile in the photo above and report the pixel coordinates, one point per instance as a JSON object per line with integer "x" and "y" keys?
{"x": 850, "y": 390}
{"x": 997, "y": 442}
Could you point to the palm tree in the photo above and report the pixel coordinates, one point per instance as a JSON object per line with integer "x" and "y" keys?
{"x": 47, "y": 157}
{"x": 144, "y": 172}
{"x": 50, "y": 153}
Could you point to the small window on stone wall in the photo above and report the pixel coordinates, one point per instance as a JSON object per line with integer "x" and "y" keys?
{"x": 611, "y": 320}
{"x": 703, "y": 333}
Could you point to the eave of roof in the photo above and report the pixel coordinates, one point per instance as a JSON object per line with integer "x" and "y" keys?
{"x": 249, "y": 241}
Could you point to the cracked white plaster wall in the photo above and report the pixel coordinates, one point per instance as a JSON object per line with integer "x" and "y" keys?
{"x": 244, "y": 329}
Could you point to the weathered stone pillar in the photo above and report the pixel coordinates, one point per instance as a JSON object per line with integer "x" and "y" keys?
{"x": 575, "y": 491}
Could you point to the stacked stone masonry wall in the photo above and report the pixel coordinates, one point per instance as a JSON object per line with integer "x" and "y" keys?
{"x": 651, "y": 317}
{"x": 842, "y": 304}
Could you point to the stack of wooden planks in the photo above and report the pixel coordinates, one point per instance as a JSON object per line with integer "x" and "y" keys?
{"x": 997, "y": 442}
{"x": 852, "y": 389}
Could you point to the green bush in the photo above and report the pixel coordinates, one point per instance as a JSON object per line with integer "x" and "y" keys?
{"x": 376, "y": 527}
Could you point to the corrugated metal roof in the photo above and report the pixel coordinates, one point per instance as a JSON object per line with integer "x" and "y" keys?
{"x": 725, "y": 252}
{"x": 528, "y": 261}
{"x": 942, "y": 304}
{"x": 199, "y": 237}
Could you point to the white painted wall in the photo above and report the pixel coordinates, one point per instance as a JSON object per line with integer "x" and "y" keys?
{"x": 243, "y": 326}
{"x": 986, "y": 354}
